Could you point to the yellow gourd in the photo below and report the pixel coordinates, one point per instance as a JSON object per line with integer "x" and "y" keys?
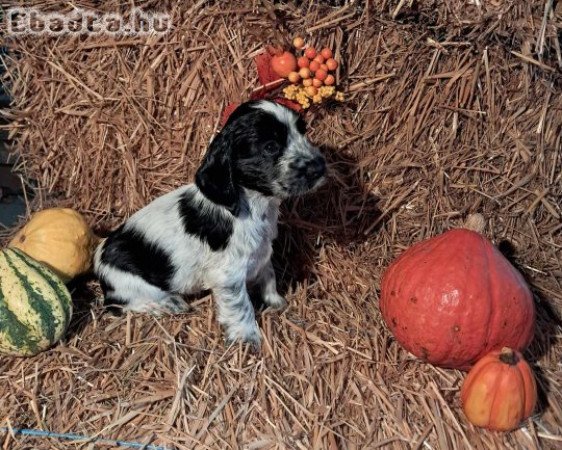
{"x": 61, "y": 239}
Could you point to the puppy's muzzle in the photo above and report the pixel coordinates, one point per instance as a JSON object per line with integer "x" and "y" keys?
{"x": 316, "y": 169}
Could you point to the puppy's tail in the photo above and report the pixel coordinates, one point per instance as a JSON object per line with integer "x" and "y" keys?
{"x": 97, "y": 254}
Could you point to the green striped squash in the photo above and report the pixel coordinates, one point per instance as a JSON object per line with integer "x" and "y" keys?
{"x": 35, "y": 305}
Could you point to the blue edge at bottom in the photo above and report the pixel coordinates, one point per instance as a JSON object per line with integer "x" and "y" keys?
{"x": 77, "y": 437}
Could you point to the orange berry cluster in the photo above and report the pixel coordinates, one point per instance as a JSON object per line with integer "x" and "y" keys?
{"x": 312, "y": 80}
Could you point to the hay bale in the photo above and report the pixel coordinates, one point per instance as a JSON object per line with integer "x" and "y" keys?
{"x": 451, "y": 110}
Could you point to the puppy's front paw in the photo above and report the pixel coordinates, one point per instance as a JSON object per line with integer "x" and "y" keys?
{"x": 275, "y": 301}
{"x": 247, "y": 333}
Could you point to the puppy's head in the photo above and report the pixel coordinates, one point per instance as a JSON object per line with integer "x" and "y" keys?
{"x": 262, "y": 147}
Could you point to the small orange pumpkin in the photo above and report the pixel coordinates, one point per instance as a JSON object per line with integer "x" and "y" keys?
{"x": 500, "y": 391}
{"x": 283, "y": 64}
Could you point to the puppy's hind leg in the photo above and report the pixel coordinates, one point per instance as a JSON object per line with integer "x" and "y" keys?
{"x": 142, "y": 298}
{"x": 111, "y": 302}
{"x": 172, "y": 304}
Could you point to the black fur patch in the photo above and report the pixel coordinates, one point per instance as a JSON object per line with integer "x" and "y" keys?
{"x": 301, "y": 125}
{"x": 129, "y": 251}
{"x": 215, "y": 177}
{"x": 260, "y": 145}
{"x": 105, "y": 286}
{"x": 211, "y": 226}
{"x": 244, "y": 154}
{"x": 242, "y": 110}
{"x": 112, "y": 305}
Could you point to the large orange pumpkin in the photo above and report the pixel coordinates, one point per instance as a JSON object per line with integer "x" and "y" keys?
{"x": 453, "y": 298}
{"x": 500, "y": 391}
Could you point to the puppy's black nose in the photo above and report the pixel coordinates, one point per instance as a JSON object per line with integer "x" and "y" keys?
{"x": 316, "y": 168}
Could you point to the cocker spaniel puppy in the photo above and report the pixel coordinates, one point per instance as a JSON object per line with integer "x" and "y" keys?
{"x": 216, "y": 233}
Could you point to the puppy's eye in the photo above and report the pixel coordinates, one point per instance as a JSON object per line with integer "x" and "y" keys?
{"x": 271, "y": 147}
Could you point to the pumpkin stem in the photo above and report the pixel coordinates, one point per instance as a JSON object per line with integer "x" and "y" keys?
{"x": 475, "y": 222}
{"x": 508, "y": 356}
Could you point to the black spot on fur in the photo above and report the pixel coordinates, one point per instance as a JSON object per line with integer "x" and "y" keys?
{"x": 114, "y": 306}
{"x": 215, "y": 177}
{"x": 259, "y": 147}
{"x": 129, "y": 251}
{"x": 105, "y": 286}
{"x": 210, "y": 225}
{"x": 245, "y": 154}
{"x": 301, "y": 125}
{"x": 242, "y": 110}
{"x": 111, "y": 304}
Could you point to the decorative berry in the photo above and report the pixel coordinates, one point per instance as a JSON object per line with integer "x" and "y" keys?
{"x": 310, "y": 52}
{"x": 304, "y": 73}
{"x": 326, "y": 53}
{"x": 298, "y": 42}
{"x": 314, "y": 65}
{"x": 294, "y": 77}
{"x": 311, "y": 91}
{"x": 303, "y": 61}
{"x": 332, "y": 64}
{"x": 320, "y": 74}
{"x": 319, "y": 58}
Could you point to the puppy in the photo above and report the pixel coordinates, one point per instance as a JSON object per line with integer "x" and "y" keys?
{"x": 216, "y": 233}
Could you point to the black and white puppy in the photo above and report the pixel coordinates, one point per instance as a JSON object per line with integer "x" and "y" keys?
{"x": 216, "y": 233}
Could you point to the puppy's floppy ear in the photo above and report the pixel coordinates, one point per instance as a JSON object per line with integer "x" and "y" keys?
{"x": 242, "y": 110}
{"x": 215, "y": 177}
